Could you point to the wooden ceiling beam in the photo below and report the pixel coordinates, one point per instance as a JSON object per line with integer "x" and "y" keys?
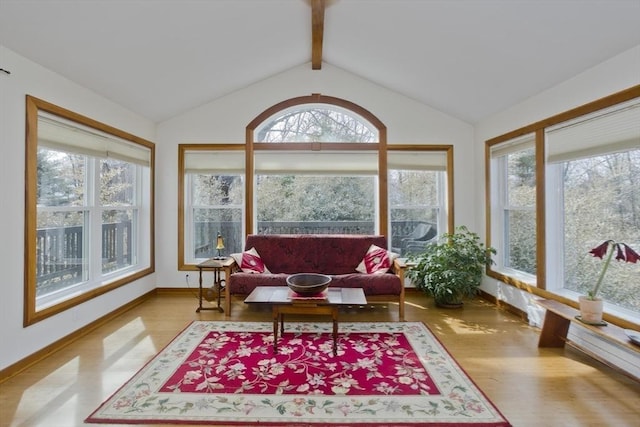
{"x": 317, "y": 32}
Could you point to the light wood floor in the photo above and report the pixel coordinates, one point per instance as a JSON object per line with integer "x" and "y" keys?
{"x": 530, "y": 386}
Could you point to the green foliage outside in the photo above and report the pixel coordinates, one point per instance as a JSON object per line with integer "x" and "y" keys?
{"x": 602, "y": 202}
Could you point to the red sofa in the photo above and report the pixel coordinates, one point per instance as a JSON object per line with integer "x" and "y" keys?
{"x": 334, "y": 255}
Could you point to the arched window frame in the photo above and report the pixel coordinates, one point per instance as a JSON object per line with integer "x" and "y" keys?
{"x": 380, "y": 147}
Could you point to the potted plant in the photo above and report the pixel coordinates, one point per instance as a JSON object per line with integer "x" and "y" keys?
{"x": 590, "y": 304}
{"x": 451, "y": 269}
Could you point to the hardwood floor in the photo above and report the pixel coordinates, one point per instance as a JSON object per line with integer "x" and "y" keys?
{"x": 530, "y": 386}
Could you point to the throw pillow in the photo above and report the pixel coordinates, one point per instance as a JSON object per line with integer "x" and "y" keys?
{"x": 250, "y": 262}
{"x": 377, "y": 260}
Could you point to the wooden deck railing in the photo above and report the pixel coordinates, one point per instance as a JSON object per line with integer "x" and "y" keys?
{"x": 205, "y": 232}
{"x": 60, "y": 253}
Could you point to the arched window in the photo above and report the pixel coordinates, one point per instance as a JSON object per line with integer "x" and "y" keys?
{"x": 315, "y": 165}
{"x": 316, "y": 123}
{"x": 312, "y": 164}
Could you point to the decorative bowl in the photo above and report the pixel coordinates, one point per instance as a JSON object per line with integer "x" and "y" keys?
{"x": 307, "y": 284}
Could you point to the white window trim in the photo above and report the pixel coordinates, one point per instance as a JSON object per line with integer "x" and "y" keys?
{"x": 93, "y": 227}
{"x": 500, "y": 207}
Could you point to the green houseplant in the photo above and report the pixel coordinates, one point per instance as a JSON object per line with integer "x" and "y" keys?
{"x": 451, "y": 269}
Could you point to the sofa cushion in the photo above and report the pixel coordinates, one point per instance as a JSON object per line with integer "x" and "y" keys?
{"x": 244, "y": 283}
{"x": 377, "y": 260}
{"x": 250, "y": 262}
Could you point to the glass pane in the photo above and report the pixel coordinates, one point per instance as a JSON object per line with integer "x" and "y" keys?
{"x": 61, "y": 178}
{"x": 217, "y": 190}
{"x": 117, "y": 183}
{"x": 521, "y": 241}
{"x": 294, "y": 204}
{"x": 521, "y": 179}
{"x": 207, "y": 223}
{"x": 601, "y": 202}
{"x": 316, "y": 124}
{"x": 518, "y": 250}
{"x": 413, "y": 200}
{"x": 413, "y": 188}
{"x": 60, "y": 251}
{"x": 117, "y": 239}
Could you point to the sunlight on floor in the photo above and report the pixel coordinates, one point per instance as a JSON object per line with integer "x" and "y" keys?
{"x": 49, "y": 389}
{"x": 460, "y": 326}
{"x": 418, "y": 306}
{"x": 537, "y": 367}
{"x": 122, "y": 338}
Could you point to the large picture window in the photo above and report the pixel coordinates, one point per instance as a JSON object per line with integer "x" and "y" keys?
{"x": 560, "y": 187}
{"x": 594, "y": 162}
{"x": 88, "y": 209}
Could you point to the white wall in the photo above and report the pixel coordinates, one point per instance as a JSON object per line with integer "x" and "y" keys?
{"x": 618, "y": 73}
{"x": 224, "y": 121}
{"x": 29, "y": 78}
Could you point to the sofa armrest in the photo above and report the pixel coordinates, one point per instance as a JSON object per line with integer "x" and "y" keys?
{"x": 398, "y": 268}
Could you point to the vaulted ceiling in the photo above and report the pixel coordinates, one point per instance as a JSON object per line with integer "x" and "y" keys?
{"x": 467, "y": 58}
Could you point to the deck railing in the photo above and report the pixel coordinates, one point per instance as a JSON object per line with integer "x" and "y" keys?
{"x": 205, "y": 232}
{"x": 60, "y": 249}
{"x": 60, "y": 253}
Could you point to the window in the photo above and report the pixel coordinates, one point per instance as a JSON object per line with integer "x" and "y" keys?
{"x": 594, "y": 162}
{"x": 322, "y": 193}
{"x": 417, "y": 198}
{"x": 303, "y": 204}
{"x": 88, "y": 209}
{"x": 316, "y": 123}
{"x": 313, "y": 164}
{"x": 513, "y": 201}
{"x": 316, "y": 170}
{"x": 213, "y": 196}
{"x": 560, "y": 187}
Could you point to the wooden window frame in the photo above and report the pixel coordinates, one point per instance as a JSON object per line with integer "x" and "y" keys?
{"x": 33, "y": 106}
{"x": 538, "y": 128}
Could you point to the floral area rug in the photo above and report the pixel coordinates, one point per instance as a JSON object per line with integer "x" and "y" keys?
{"x": 226, "y": 373}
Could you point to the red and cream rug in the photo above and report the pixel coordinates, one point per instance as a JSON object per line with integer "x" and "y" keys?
{"x": 226, "y": 373}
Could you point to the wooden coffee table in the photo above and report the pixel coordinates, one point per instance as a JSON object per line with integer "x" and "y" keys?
{"x": 279, "y": 297}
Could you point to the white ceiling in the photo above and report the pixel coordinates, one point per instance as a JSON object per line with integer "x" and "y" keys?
{"x": 467, "y": 58}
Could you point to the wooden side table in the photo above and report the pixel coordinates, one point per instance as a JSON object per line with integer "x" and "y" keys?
{"x": 217, "y": 266}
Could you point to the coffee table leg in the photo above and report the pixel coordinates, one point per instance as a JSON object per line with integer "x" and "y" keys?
{"x": 334, "y": 315}
{"x": 276, "y": 316}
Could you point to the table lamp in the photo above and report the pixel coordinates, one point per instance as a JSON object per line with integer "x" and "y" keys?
{"x": 219, "y": 246}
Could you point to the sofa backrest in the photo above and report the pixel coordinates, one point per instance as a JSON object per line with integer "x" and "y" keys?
{"x": 312, "y": 253}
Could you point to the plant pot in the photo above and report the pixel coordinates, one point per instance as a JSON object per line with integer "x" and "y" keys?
{"x": 590, "y": 309}
{"x": 446, "y": 304}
